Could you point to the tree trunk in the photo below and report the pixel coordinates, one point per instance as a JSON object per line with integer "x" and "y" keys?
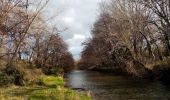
{"x": 167, "y": 44}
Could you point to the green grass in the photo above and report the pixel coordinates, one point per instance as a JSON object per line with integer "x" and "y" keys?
{"x": 52, "y": 81}
{"x": 52, "y": 89}
{"x": 57, "y": 94}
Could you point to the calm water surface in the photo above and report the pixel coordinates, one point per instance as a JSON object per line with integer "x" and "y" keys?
{"x": 110, "y": 87}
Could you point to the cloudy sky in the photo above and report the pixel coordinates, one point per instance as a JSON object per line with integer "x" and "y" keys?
{"x": 78, "y": 17}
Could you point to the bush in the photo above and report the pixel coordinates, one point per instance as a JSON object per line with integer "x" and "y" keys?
{"x": 19, "y": 74}
{"x": 13, "y": 75}
{"x": 31, "y": 75}
{"x": 56, "y": 70}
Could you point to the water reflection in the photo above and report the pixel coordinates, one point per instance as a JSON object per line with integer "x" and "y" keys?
{"x": 76, "y": 79}
{"x": 109, "y": 87}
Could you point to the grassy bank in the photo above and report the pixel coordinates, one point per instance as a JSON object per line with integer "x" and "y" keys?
{"x": 49, "y": 88}
{"x": 159, "y": 65}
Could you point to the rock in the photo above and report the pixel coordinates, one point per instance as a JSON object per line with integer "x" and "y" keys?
{"x": 79, "y": 89}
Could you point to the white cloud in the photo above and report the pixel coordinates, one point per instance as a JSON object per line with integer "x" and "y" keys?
{"x": 78, "y": 16}
{"x": 76, "y": 41}
{"x": 69, "y": 20}
{"x": 79, "y": 36}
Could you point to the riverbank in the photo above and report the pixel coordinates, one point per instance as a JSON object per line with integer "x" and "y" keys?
{"x": 47, "y": 88}
{"x": 158, "y": 70}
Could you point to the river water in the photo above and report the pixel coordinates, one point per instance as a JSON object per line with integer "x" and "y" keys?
{"x": 113, "y": 87}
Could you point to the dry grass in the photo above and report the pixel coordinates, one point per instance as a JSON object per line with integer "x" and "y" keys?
{"x": 2, "y": 64}
{"x": 158, "y": 65}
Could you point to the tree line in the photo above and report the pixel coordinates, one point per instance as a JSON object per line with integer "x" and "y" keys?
{"x": 27, "y": 37}
{"x": 128, "y": 36}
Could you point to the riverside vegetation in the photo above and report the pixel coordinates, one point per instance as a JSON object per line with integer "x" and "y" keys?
{"x": 131, "y": 37}
{"x": 51, "y": 88}
{"x": 33, "y": 56}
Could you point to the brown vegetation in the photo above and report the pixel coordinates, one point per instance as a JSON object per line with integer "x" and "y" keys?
{"x": 128, "y": 35}
{"x": 28, "y": 43}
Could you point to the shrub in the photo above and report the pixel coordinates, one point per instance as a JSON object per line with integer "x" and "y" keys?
{"x": 13, "y": 75}
{"x": 56, "y": 70}
{"x": 19, "y": 74}
{"x": 31, "y": 75}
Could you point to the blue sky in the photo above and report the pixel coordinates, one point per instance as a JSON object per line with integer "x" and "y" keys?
{"x": 78, "y": 17}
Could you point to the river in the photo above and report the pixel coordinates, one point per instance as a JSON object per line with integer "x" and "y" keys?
{"x": 114, "y": 87}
